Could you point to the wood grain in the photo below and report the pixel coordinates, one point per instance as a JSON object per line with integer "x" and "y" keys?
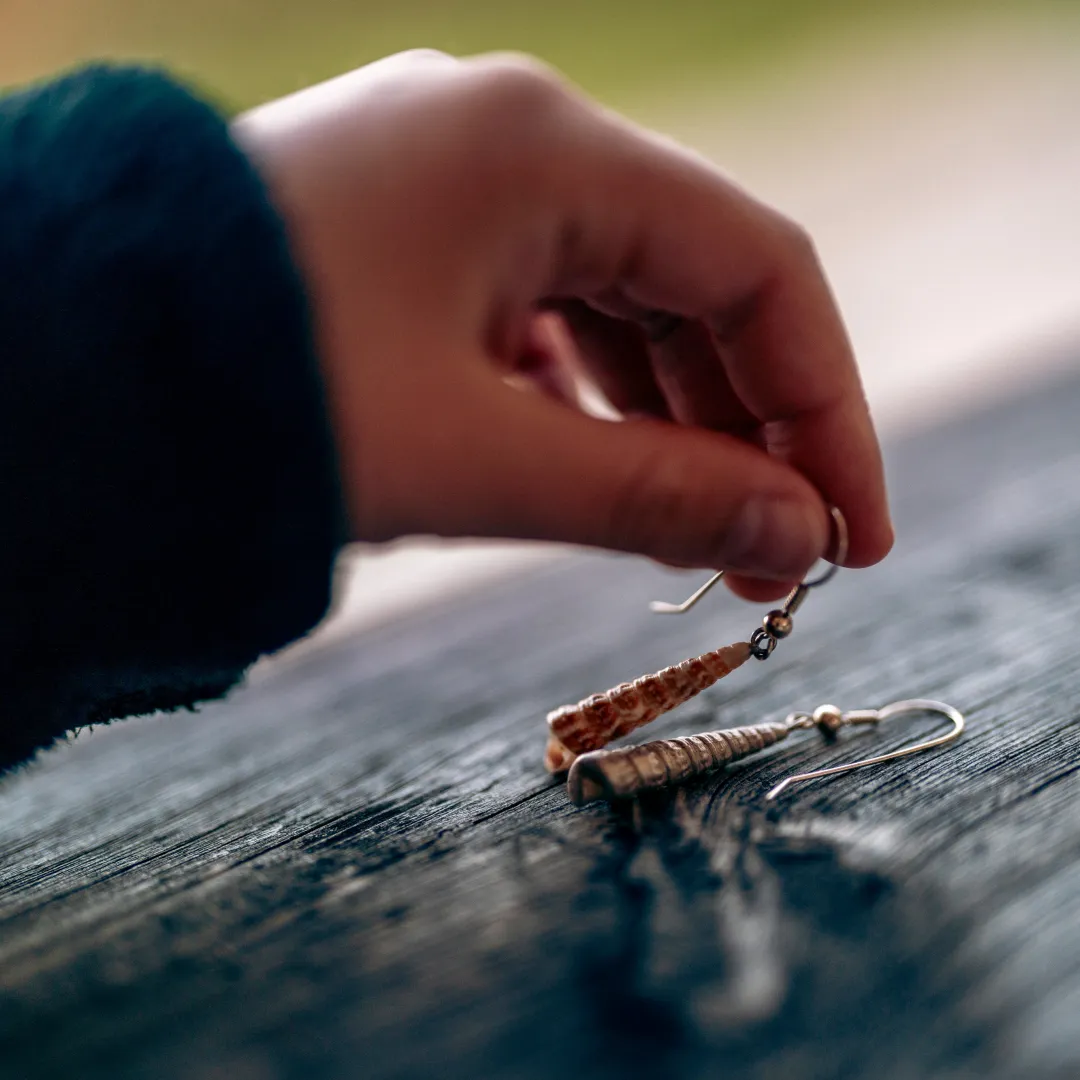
{"x": 356, "y": 868}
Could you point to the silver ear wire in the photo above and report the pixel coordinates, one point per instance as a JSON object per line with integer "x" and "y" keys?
{"x": 837, "y": 556}
{"x": 873, "y": 715}
{"x": 662, "y": 607}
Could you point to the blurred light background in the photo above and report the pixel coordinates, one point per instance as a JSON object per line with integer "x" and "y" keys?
{"x": 933, "y": 150}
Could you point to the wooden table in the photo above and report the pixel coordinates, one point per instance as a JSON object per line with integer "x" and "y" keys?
{"x": 356, "y": 868}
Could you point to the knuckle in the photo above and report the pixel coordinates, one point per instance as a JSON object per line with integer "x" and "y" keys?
{"x": 406, "y": 64}
{"x": 797, "y": 241}
{"x": 519, "y": 113}
{"x": 424, "y": 56}
{"x": 522, "y": 86}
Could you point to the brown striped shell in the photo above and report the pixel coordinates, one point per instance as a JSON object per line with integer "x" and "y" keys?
{"x": 597, "y": 720}
{"x": 623, "y": 774}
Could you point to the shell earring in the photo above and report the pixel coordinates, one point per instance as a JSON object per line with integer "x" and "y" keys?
{"x": 595, "y": 721}
{"x": 625, "y": 774}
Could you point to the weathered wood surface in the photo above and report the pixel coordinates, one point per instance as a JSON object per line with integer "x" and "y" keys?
{"x": 357, "y": 868}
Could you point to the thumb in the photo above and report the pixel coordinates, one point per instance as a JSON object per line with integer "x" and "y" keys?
{"x": 682, "y": 495}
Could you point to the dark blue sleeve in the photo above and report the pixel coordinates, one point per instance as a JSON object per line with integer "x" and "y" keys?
{"x": 169, "y": 502}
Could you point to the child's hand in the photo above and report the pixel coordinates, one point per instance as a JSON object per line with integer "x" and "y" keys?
{"x": 436, "y": 206}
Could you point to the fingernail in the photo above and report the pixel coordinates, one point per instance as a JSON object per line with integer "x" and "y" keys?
{"x": 774, "y": 537}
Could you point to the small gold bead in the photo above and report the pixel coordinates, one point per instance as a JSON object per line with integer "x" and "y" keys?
{"x": 829, "y": 719}
{"x": 777, "y": 624}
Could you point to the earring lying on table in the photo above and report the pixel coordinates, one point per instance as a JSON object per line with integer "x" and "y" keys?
{"x": 597, "y": 720}
{"x": 625, "y": 774}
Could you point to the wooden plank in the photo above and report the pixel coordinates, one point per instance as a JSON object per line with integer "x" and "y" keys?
{"x": 355, "y": 867}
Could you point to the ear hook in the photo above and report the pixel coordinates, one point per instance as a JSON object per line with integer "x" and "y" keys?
{"x": 839, "y": 554}
{"x": 662, "y": 607}
{"x": 871, "y": 716}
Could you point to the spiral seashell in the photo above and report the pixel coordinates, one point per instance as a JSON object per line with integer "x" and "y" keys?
{"x": 595, "y": 721}
{"x": 623, "y": 774}
{"x": 557, "y": 759}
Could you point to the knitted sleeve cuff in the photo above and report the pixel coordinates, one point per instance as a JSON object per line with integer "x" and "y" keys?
{"x": 170, "y": 507}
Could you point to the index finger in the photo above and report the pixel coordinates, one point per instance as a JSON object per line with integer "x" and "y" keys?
{"x": 667, "y": 230}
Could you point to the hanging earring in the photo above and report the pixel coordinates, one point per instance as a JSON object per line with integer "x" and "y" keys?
{"x": 624, "y": 774}
{"x": 597, "y": 720}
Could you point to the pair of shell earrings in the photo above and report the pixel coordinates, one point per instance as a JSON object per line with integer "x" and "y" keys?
{"x": 577, "y": 733}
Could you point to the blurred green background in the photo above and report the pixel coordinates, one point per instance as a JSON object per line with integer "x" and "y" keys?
{"x": 621, "y": 50}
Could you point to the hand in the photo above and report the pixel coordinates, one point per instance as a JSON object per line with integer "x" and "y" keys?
{"x": 437, "y": 207}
